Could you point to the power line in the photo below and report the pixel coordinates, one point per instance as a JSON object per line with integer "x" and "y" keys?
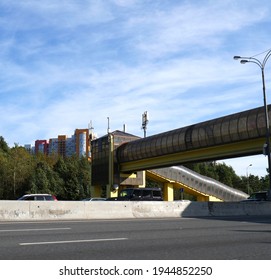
{"x": 261, "y": 53}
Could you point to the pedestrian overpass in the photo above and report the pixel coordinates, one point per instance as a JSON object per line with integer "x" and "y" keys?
{"x": 201, "y": 187}
{"x": 119, "y": 161}
{"x": 236, "y": 135}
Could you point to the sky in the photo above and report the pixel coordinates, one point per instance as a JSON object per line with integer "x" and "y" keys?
{"x": 66, "y": 63}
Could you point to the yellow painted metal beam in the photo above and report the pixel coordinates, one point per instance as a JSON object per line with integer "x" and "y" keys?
{"x": 176, "y": 184}
{"x": 243, "y": 148}
{"x": 168, "y": 184}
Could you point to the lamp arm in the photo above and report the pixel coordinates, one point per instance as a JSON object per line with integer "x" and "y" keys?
{"x": 256, "y": 61}
{"x": 266, "y": 58}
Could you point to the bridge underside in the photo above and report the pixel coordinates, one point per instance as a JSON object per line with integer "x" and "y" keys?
{"x": 231, "y": 150}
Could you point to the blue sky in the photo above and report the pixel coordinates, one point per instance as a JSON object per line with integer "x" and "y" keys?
{"x": 67, "y": 62}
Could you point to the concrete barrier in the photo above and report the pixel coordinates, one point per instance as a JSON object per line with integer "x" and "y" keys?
{"x": 252, "y": 208}
{"x": 69, "y": 210}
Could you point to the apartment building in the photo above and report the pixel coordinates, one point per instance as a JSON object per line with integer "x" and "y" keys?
{"x": 41, "y": 146}
{"x": 78, "y": 144}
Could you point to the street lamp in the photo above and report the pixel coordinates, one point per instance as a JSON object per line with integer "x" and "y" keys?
{"x": 261, "y": 64}
{"x": 248, "y": 178}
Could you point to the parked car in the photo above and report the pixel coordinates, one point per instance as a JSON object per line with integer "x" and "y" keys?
{"x": 140, "y": 194}
{"x": 257, "y": 196}
{"x": 39, "y": 197}
{"x": 94, "y": 199}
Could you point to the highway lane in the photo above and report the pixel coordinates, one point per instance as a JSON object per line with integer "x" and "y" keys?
{"x": 180, "y": 238}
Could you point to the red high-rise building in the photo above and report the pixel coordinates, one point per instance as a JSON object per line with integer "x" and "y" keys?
{"x": 41, "y": 146}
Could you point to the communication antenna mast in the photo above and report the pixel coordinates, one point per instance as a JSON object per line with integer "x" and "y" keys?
{"x": 108, "y": 125}
{"x": 90, "y": 130}
{"x": 145, "y": 121}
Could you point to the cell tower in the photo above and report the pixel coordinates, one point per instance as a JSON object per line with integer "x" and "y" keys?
{"x": 90, "y": 130}
{"x": 145, "y": 122}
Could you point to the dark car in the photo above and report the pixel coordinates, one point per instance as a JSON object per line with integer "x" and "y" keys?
{"x": 139, "y": 194}
{"x": 39, "y": 197}
{"x": 258, "y": 196}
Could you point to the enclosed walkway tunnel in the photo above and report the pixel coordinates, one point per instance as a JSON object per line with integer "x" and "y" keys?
{"x": 235, "y": 135}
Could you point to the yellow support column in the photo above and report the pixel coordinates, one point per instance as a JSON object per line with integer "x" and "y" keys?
{"x": 202, "y": 198}
{"x": 95, "y": 191}
{"x": 144, "y": 180}
{"x": 207, "y": 198}
{"x": 110, "y": 192}
{"x": 168, "y": 192}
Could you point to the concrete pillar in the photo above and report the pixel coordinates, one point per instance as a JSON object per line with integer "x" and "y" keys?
{"x": 168, "y": 192}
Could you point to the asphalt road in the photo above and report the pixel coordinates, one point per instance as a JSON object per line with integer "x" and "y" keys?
{"x": 182, "y": 238}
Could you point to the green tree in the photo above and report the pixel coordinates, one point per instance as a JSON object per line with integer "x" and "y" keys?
{"x": 17, "y": 167}
{"x": 75, "y": 174}
{"x": 3, "y": 145}
{"x": 84, "y": 176}
{"x": 220, "y": 172}
{"x": 5, "y": 182}
{"x": 226, "y": 174}
{"x": 45, "y": 180}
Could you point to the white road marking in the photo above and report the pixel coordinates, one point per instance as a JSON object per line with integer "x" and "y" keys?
{"x": 93, "y": 221}
{"x": 32, "y": 229}
{"x": 72, "y": 241}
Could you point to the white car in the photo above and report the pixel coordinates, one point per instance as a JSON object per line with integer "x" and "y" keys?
{"x": 39, "y": 197}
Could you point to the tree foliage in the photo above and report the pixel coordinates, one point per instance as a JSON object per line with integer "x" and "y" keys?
{"x": 22, "y": 173}
{"x": 226, "y": 175}
{"x": 70, "y": 178}
{"x": 3, "y": 145}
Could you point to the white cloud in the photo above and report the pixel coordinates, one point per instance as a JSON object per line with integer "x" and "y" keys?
{"x": 31, "y": 14}
{"x": 242, "y": 165}
{"x": 190, "y": 28}
{"x": 64, "y": 63}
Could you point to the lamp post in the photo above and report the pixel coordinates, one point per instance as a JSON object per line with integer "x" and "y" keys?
{"x": 248, "y": 178}
{"x": 261, "y": 64}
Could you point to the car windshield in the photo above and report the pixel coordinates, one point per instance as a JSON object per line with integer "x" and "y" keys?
{"x": 126, "y": 193}
{"x": 258, "y": 196}
{"x": 147, "y": 193}
{"x": 156, "y": 193}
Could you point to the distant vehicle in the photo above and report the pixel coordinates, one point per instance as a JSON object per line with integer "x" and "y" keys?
{"x": 94, "y": 199}
{"x": 139, "y": 194}
{"x": 38, "y": 197}
{"x": 258, "y": 196}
